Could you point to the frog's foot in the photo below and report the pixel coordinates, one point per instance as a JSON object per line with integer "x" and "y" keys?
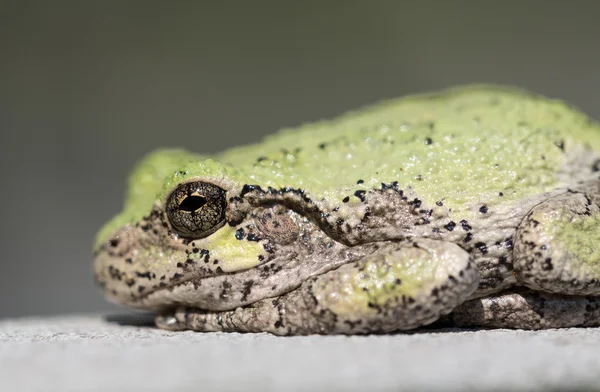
{"x": 557, "y": 246}
{"x": 401, "y": 286}
{"x": 526, "y": 310}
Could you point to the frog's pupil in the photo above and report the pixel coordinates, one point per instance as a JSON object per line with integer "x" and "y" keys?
{"x": 192, "y": 203}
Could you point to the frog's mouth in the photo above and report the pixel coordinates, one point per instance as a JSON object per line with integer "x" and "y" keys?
{"x": 223, "y": 291}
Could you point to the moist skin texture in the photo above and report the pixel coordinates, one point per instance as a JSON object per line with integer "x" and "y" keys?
{"x": 480, "y": 199}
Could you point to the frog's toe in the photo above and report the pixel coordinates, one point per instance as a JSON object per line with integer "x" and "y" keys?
{"x": 172, "y": 321}
{"x": 557, "y": 246}
{"x": 526, "y": 310}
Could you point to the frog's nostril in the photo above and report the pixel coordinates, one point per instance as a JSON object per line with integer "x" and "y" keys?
{"x": 192, "y": 203}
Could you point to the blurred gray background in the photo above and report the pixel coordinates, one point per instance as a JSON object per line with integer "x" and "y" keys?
{"x": 87, "y": 88}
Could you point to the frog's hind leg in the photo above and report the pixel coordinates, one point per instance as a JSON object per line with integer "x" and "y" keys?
{"x": 401, "y": 286}
{"x": 557, "y": 247}
{"x": 526, "y": 310}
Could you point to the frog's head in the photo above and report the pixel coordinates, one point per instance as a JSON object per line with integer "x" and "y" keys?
{"x": 186, "y": 218}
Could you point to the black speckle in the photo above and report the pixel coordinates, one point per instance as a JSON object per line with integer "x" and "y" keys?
{"x": 260, "y": 159}
{"x": 128, "y": 260}
{"x": 547, "y": 266}
{"x": 360, "y": 194}
{"x": 239, "y": 234}
{"x": 393, "y": 185}
{"x": 450, "y": 226}
{"x": 147, "y": 275}
{"x": 206, "y": 254}
{"x": 268, "y": 248}
{"x": 465, "y": 225}
{"x": 114, "y": 273}
{"x": 483, "y": 209}
{"x": 398, "y": 281}
{"x": 428, "y": 141}
{"x": 322, "y": 146}
{"x": 596, "y": 165}
{"x": 113, "y": 242}
{"x": 346, "y": 199}
{"x": 360, "y": 182}
{"x": 226, "y": 286}
{"x": 439, "y": 203}
{"x": 141, "y": 288}
{"x": 177, "y": 276}
{"x": 468, "y": 237}
{"x": 219, "y": 270}
{"x": 416, "y": 203}
{"x": 481, "y": 246}
{"x": 500, "y": 194}
{"x": 247, "y": 289}
{"x": 249, "y": 188}
{"x": 252, "y": 237}
{"x": 560, "y": 144}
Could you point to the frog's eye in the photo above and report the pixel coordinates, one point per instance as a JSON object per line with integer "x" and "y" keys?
{"x": 196, "y": 209}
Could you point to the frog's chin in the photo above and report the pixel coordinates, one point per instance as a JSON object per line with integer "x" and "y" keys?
{"x": 129, "y": 284}
{"x": 148, "y": 301}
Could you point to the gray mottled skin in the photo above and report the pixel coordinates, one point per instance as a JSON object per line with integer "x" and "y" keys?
{"x": 526, "y": 310}
{"x": 312, "y": 307}
{"x": 319, "y": 273}
{"x": 542, "y": 264}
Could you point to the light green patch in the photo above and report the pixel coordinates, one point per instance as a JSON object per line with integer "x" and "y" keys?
{"x": 580, "y": 237}
{"x": 463, "y": 146}
{"x": 407, "y": 272}
{"x": 233, "y": 254}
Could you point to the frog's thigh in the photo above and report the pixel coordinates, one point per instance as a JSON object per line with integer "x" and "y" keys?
{"x": 527, "y": 310}
{"x": 401, "y": 286}
{"x": 557, "y": 246}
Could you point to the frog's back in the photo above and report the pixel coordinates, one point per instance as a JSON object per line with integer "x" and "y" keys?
{"x": 459, "y": 145}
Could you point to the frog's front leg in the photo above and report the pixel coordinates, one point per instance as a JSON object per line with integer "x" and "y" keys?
{"x": 557, "y": 247}
{"x": 401, "y": 286}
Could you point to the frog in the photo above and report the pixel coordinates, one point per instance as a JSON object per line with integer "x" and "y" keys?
{"x": 475, "y": 206}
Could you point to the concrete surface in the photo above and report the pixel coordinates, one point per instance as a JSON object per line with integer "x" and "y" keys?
{"x": 96, "y": 353}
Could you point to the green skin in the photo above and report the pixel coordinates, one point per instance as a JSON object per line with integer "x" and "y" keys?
{"x": 472, "y": 206}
